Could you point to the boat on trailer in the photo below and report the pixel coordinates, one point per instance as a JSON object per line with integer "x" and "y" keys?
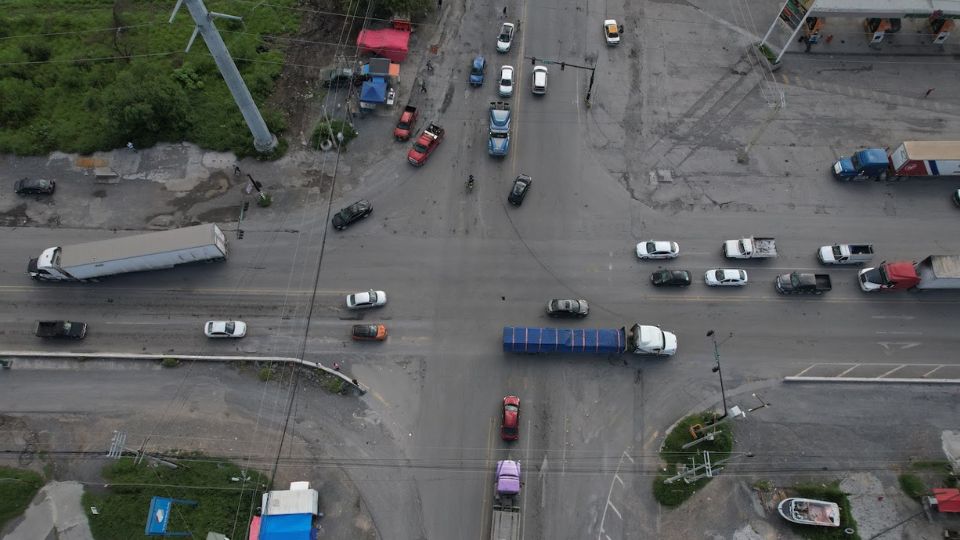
{"x": 810, "y": 512}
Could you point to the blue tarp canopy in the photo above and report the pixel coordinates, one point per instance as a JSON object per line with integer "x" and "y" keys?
{"x": 287, "y": 527}
{"x": 374, "y": 91}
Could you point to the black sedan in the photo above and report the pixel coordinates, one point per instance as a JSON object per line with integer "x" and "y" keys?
{"x": 670, "y": 278}
{"x": 568, "y": 308}
{"x": 34, "y": 186}
{"x": 519, "y": 190}
{"x": 352, "y": 213}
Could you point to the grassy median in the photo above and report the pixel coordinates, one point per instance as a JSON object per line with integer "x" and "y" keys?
{"x": 672, "y": 454}
{"x": 17, "y": 489}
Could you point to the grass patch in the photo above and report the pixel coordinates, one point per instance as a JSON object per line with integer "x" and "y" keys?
{"x": 336, "y": 131}
{"x": 827, "y": 492}
{"x": 939, "y": 465}
{"x": 265, "y": 374}
{"x": 66, "y": 87}
{"x": 17, "y": 489}
{"x": 673, "y": 454}
{"x": 122, "y": 509}
{"x": 912, "y": 485}
{"x": 170, "y": 362}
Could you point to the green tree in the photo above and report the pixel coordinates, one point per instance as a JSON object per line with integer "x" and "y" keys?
{"x": 19, "y": 102}
{"x": 146, "y": 106}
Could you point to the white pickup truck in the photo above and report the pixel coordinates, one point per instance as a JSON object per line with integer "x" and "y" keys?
{"x": 845, "y": 254}
{"x": 754, "y": 247}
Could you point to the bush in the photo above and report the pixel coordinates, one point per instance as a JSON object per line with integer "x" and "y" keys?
{"x": 169, "y": 362}
{"x": 912, "y": 485}
{"x": 328, "y": 131}
{"x": 265, "y": 374}
{"x": 672, "y": 453}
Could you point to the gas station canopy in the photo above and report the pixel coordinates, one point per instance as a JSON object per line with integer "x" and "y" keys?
{"x": 885, "y": 8}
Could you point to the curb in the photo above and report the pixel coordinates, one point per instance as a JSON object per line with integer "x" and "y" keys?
{"x": 7, "y": 356}
{"x": 871, "y": 380}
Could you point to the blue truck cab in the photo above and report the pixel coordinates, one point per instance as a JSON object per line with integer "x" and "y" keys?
{"x": 869, "y": 163}
{"x": 499, "y": 142}
{"x": 477, "y": 70}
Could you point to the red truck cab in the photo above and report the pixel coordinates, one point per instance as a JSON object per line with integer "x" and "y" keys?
{"x": 889, "y": 276}
{"x": 426, "y": 143}
{"x": 405, "y": 125}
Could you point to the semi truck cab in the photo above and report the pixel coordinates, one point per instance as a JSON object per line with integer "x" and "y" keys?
{"x": 45, "y": 266}
{"x": 869, "y": 163}
{"x": 887, "y": 276}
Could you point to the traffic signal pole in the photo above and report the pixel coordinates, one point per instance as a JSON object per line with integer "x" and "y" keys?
{"x": 563, "y": 65}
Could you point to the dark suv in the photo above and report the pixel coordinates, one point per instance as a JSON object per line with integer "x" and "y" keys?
{"x": 567, "y": 308}
{"x": 520, "y": 188}
{"x": 354, "y": 212}
{"x": 34, "y": 186}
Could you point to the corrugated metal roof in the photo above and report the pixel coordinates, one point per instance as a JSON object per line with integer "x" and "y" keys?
{"x": 138, "y": 245}
{"x": 933, "y": 149}
{"x": 300, "y": 501}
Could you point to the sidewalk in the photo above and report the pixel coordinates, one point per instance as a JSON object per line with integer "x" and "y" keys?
{"x": 55, "y": 512}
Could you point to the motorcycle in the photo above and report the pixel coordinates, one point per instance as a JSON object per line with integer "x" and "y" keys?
{"x": 470, "y": 183}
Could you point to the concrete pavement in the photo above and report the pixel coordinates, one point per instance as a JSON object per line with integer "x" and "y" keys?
{"x": 55, "y": 512}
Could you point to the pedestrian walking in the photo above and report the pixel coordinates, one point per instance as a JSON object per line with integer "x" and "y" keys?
{"x": 130, "y": 146}
{"x": 423, "y": 87}
{"x": 236, "y": 171}
{"x": 504, "y": 12}
{"x": 336, "y": 366}
{"x": 928, "y": 92}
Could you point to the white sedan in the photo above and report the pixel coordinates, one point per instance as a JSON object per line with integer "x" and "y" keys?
{"x": 506, "y": 81}
{"x": 657, "y": 249}
{"x": 612, "y": 31}
{"x": 725, "y": 277}
{"x": 225, "y": 329}
{"x": 366, "y": 299}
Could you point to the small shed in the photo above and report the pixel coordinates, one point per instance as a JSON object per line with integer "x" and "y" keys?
{"x": 948, "y": 499}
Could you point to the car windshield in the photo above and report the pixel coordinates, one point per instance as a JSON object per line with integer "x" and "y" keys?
{"x": 511, "y": 408}
{"x": 373, "y": 296}
{"x": 499, "y": 135}
{"x": 518, "y": 188}
{"x": 229, "y": 327}
{"x": 742, "y": 275}
{"x": 504, "y": 35}
{"x": 477, "y": 70}
{"x": 419, "y": 148}
{"x": 505, "y": 81}
{"x": 403, "y": 125}
{"x": 651, "y": 247}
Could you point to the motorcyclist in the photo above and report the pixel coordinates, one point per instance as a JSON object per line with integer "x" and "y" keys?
{"x": 470, "y": 182}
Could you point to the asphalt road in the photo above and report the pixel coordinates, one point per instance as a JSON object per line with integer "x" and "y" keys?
{"x": 654, "y": 158}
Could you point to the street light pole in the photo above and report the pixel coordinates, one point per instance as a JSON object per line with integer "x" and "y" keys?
{"x": 716, "y": 369}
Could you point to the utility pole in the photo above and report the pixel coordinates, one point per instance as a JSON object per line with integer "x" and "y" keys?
{"x": 707, "y": 468}
{"x": 716, "y": 369}
{"x": 263, "y": 140}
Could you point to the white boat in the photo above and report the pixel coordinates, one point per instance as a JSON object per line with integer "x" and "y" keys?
{"x": 810, "y": 512}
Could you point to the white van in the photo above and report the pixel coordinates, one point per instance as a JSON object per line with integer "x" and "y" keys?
{"x": 539, "y": 80}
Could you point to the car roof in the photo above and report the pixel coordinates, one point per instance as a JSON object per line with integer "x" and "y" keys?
{"x": 479, "y": 61}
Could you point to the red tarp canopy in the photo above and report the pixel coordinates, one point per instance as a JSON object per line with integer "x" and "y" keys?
{"x": 388, "y": 43}
{"x": 948, "y": 500}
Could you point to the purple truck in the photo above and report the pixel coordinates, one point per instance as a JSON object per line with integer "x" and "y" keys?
{"x": 506, "y": 506}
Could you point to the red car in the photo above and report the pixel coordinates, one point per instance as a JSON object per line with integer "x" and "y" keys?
{"x": 426, "y": 143}
{"x": 510, "y": 423}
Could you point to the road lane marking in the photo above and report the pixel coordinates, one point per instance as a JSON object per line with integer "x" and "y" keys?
{"x": 488, "y": 490}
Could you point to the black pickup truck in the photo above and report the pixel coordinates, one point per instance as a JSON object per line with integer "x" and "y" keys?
{"x": 61, "y": 329}
{"x": 803, "y": 283}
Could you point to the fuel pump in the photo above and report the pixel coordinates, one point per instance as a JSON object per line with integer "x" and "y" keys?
{"x": 876, "y": 29}
{"x": 941, "y": 28}
{"x": 812, "y": 28}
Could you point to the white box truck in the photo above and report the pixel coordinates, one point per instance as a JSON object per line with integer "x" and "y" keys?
{"x": 151, "y": 251}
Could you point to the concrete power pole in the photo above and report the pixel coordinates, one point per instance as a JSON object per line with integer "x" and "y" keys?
{"x": 263, "y": 140}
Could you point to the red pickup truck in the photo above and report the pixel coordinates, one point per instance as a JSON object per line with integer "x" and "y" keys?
{"x": 427, "y": 142}
{"x": 405, "y": 125}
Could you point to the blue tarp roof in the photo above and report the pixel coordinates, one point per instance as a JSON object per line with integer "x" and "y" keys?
{"x": 287, "y": 527}
{"x": 374, "y": 91}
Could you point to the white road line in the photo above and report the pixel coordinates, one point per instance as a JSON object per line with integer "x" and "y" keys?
{"x": 899, "y": 317}
{"x": 610, "y": 504}
{"x": 895, "y": 333}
